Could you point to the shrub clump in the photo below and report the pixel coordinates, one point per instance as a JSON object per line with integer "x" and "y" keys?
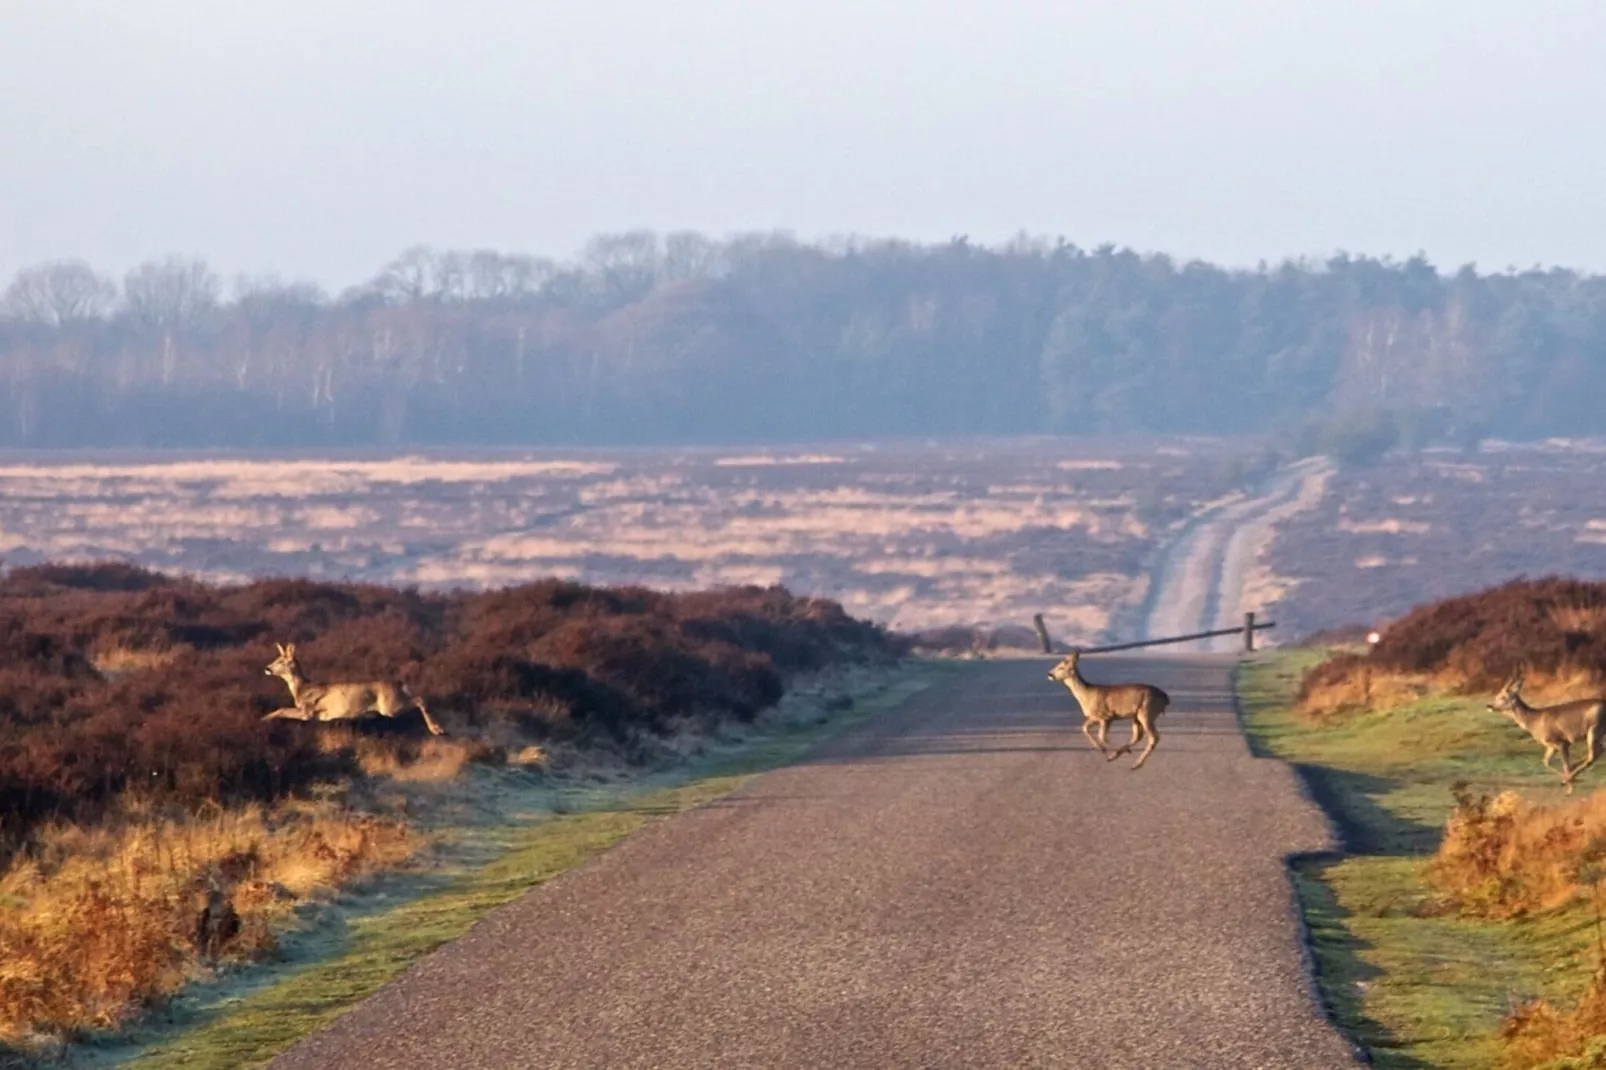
{"x": 121, "y": 682}
{"x": 1554, "y": 627}
{"x": 1538, "y": 1034}
{"x": 101, "y": 922}
{"x": 1503, "y": 857}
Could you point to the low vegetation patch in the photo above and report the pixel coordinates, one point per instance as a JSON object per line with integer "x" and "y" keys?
{"x": 99, "y": 922}
{"x": 1553, "y": 627}
{"x": 1458, "y": 927}
{"x": 1504, "y": 856}
{"x": 1537, "y": 1034}
{"x": 179, "y": 718}
{"x": 155, "y": 829}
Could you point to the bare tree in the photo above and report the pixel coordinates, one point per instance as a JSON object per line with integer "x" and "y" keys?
{"x": 449, "y": 277}
{"x": 167, "y": 296}
{"x": 745, "y": 251}
{"x": 265, "y": 297}
{"x": 526, "y": 274}
{"x": 625, "y": 264}
{"x": 689, "y": 255}
{"x": 493, "y": 275}
{"x": 270, "y": 325}
{"x": 170, "y": 293}
{"x": 58, "y": 293}
{"x": 408, "y": 278}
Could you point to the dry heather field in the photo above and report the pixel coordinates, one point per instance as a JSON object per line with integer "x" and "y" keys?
{"x": 913, "y": 536}
{"x": 1416, "y": 528}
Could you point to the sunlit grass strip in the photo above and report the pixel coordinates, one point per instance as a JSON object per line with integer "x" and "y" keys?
{"x": 1417, "y": 986}
{"x": 375, "y": 946}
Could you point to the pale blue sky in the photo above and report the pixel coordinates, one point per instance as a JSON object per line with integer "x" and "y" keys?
{"x": 316, "y": 138}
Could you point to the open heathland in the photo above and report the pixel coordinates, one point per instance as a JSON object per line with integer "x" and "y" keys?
{"x": 911, "y": 535}
{"x": 118, "y": 680}
{"x": 1417, "y": 527}
{"x": 153, "y": 825}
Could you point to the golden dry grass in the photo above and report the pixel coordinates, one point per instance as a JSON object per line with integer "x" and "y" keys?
{"x": 96, "y": 923}
{"x": 1361, "y": 690}
{"x": 118, "y": 660}
{"x": 1503, "y": 856}
{"x": 434, "y": 760}
{"x": 1538, "y": 1034}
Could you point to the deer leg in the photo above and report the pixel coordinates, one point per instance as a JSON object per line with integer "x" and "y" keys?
{"x": 1566, "y": 766}
{"x": 1148, "y": 749}
{"x": 429, "y": 722}
{"x": 1593, "y": 742}
{"x": 1137, "y": 737}
{"x": 1100, "y": 735}
{"x": 1104, "y": 737}
{"x": 1087, "y": 730}
{"x": 288, "y": 713}
{"x": 1550, "y": 752}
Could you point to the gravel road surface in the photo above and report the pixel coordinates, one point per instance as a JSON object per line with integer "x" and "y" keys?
{"x": 961, "y": 882}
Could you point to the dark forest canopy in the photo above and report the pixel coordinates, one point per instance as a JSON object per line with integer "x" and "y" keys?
{"x": 684, "y": 339}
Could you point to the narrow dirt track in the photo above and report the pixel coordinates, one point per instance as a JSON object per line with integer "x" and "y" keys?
{"x": 1200, "y": 584}
{"x": 961, "y": 882}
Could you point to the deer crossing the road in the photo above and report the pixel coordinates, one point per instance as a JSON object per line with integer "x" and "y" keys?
{"x": 1556, "y": 728}
{"x": 1103, "y": 703}
{"x": 341, "y": 702}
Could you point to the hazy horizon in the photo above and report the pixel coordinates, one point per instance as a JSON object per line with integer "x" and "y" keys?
{"x": 317, "y": 142}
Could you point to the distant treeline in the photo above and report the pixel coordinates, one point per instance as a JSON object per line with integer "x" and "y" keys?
{"x": 684, "y": 339}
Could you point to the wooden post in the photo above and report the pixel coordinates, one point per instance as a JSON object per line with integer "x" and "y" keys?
{"x": 1249, "y": 633}
{"x": 1042, "y": 633}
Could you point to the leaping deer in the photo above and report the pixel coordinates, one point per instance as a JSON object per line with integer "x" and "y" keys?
{"x": 1103, "y": 703}
{"x": 1556, "y": 728}
{"x": 341, "y": 702}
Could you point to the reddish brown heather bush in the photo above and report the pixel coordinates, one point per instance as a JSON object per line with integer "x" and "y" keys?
{"x": 116, "y": 681}
{"x": 1556, "y": 627}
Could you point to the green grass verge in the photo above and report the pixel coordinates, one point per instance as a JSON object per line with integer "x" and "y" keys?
{"x": 352, "y": 951}
{"x": 1415, "y": 988}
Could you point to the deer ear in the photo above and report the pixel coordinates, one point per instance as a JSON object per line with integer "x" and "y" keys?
{"x": 290, "y": 650}
{"x": 281, "y": 648}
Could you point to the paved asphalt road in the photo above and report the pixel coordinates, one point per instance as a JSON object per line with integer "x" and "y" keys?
{"x": 961, "y": 882}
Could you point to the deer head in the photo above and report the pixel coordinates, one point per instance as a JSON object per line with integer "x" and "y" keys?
{"x": 284, "y": 666}
{"x": 1509, "y": 696}
{"x": 1066, "y": 669}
